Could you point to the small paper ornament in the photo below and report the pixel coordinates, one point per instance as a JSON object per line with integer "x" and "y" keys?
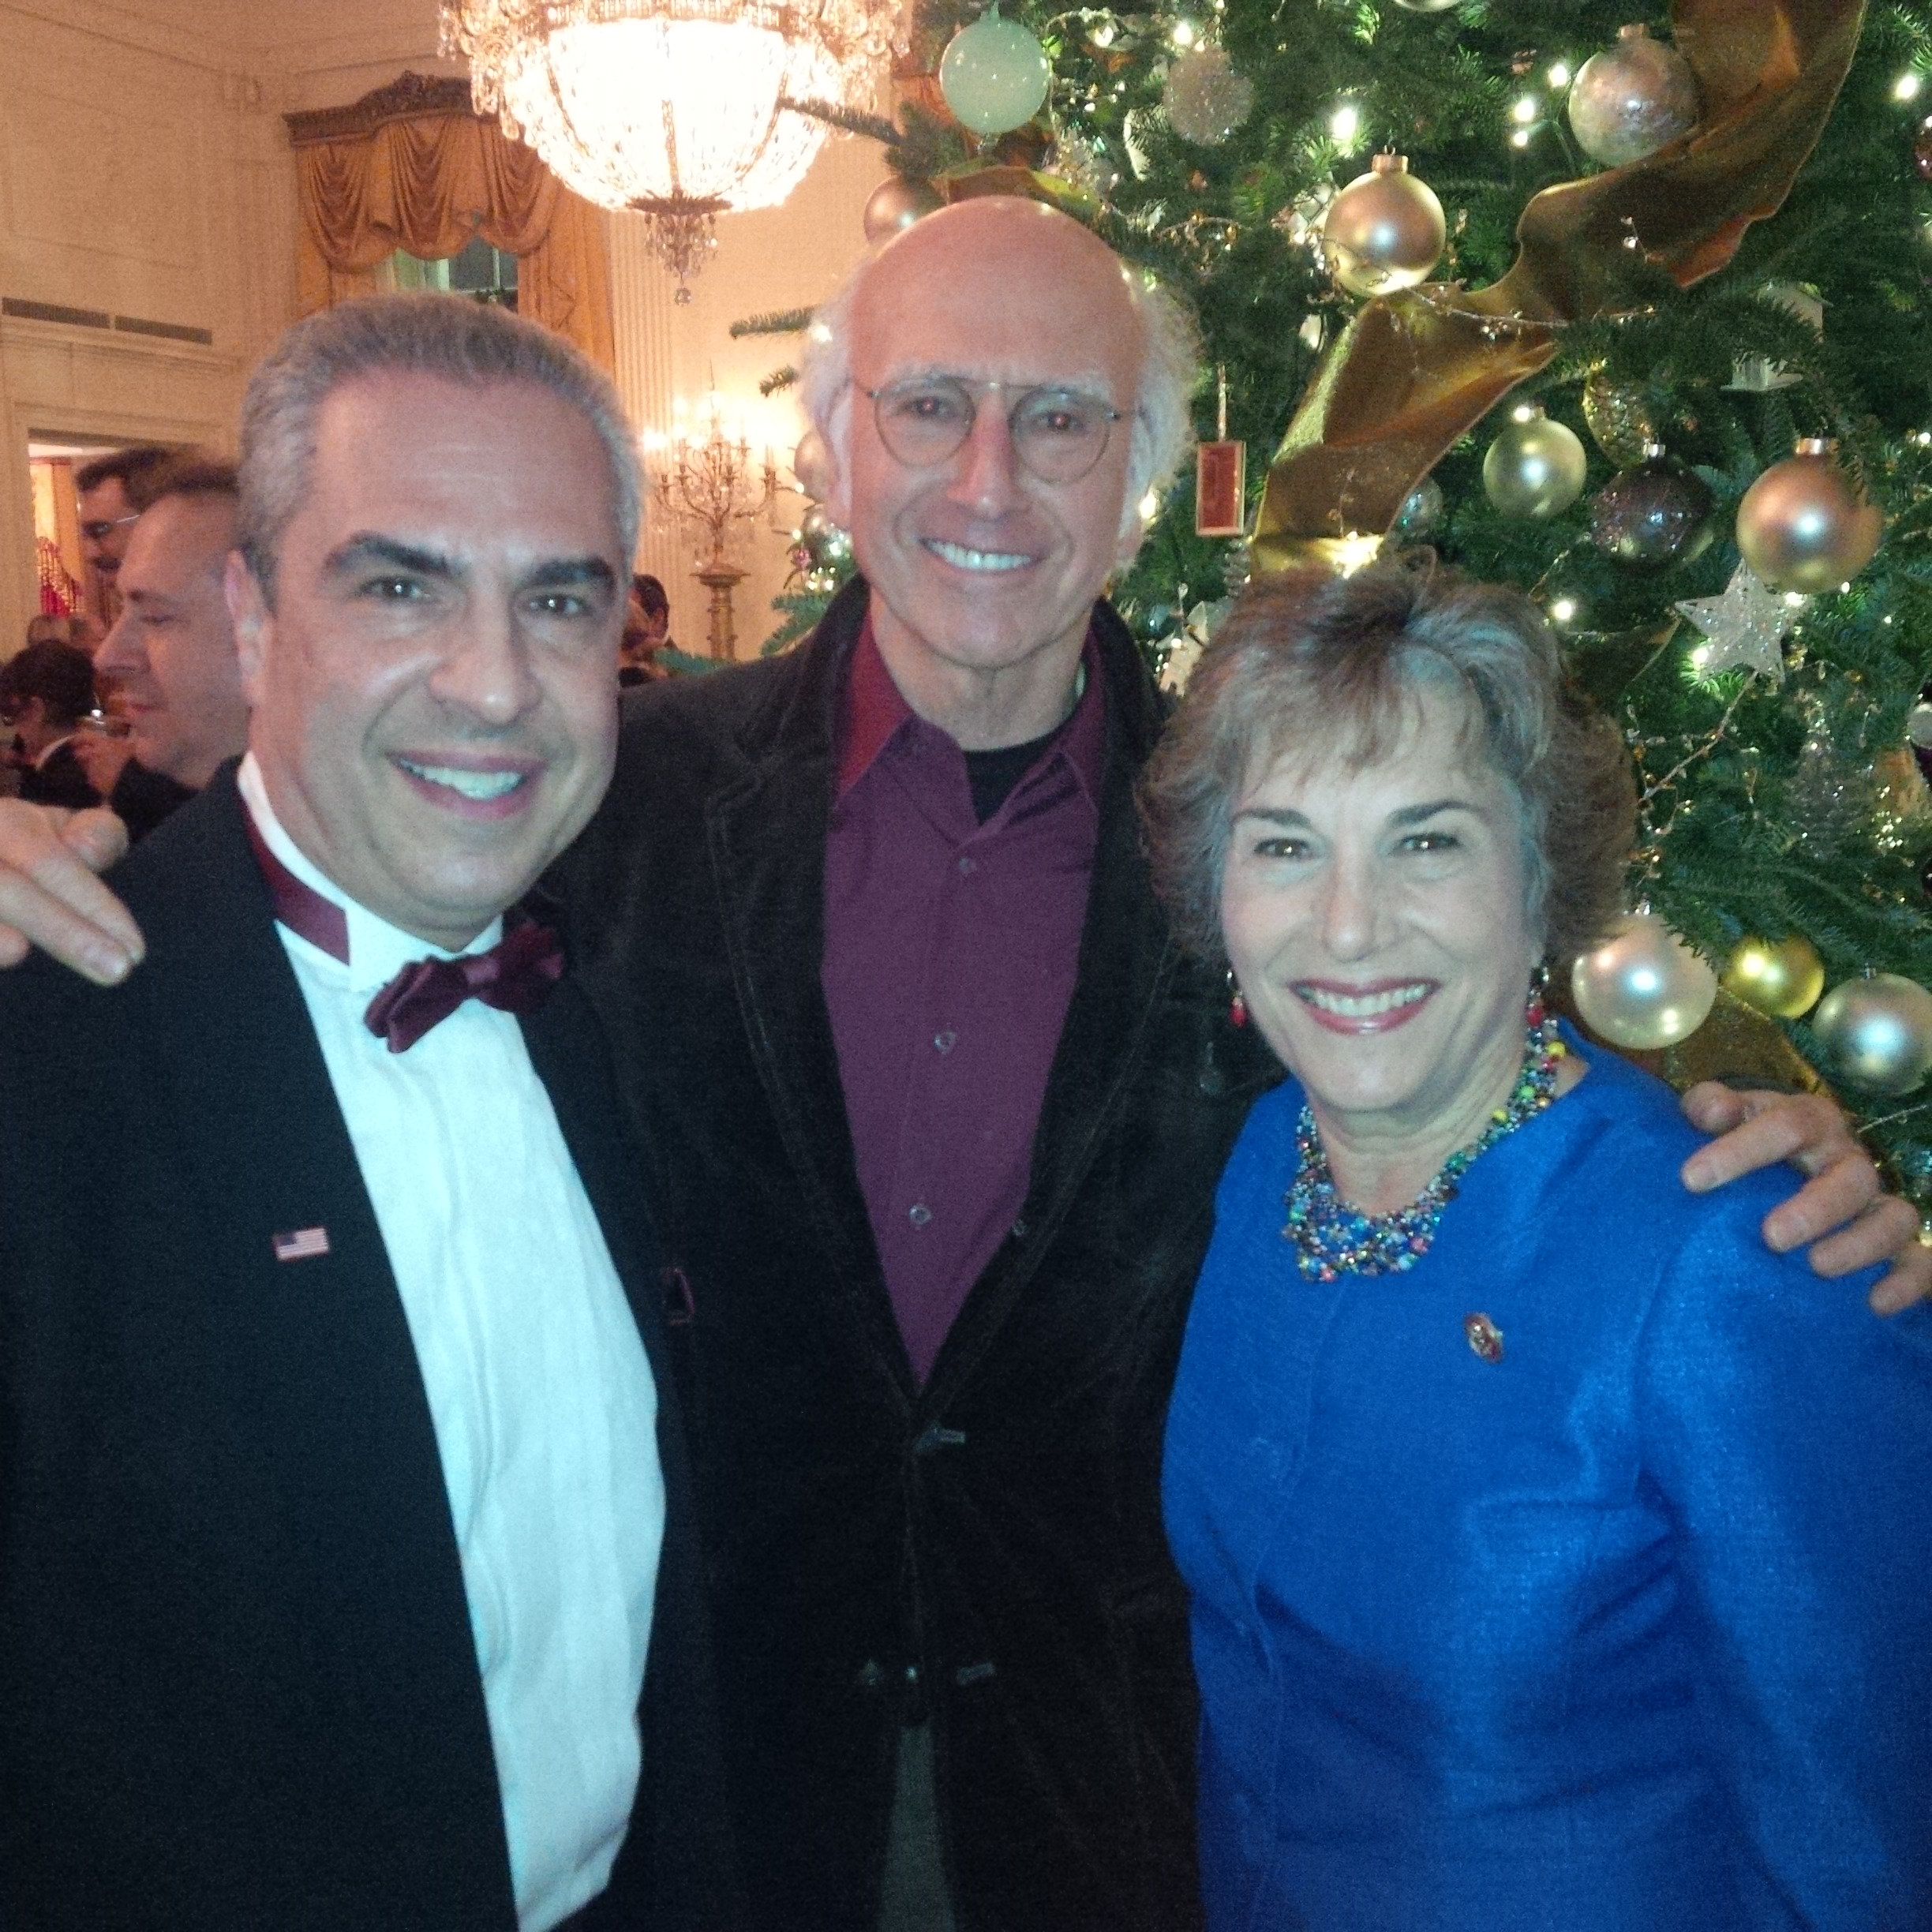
{"x": 897, "y": 203}
{"x": 1535, "y": 468}
{"x": 1654, "y": 516}
{"x": 994, "y": 74}
{"x": 1643, "y": 987}
{"x": 1743, "y": 629}
{"x": 1616, "y": 417}
{"x": 1384, "y": 230}
{"x": 1802, "y": 524}
{"x": 1780, "y": 977}
{"x": 1206, "y": 99}
{"x": 1877, "y": 1033}
{"x": 1221, "y": 477}
{"x": 1631, "y": 100}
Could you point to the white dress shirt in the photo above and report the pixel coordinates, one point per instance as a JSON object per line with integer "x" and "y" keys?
{"x": 544, "y": 1408}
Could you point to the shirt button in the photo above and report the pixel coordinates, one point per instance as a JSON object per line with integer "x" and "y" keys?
{"x": 966, "y": 863}
{"x": 945, "y": 1041}
{"x": 920, "y": 1214}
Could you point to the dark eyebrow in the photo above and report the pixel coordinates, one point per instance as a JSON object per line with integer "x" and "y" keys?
{"x": 569, "y": 573}
{"x": 1272, "y": 814}
{"x": 367, "y": 548}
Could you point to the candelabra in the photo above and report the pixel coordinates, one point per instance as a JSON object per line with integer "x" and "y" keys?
{"x": 709, "y": 486}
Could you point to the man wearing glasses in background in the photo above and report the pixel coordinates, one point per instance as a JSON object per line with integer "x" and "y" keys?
{"x": 113, "y": 490}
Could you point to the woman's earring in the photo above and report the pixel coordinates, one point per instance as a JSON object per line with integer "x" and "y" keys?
{"x": 1237, "y": 1006}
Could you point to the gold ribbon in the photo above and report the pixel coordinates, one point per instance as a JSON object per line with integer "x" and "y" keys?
{"x": 1412, "y": 372}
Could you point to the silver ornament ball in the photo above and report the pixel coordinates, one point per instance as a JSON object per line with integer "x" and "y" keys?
{"x": 1427, "y": 6}
{"x": 1643, "y": 987}
{"x": 811, "y": 465}
{"x": 897, "y": 203}
{"x": 1206, "y": 99}
{"x": 1385, "y": 230}
{"x": 1918, "y": 726}
{"x": 1535, "y": 468}
{"x": 1631, "y": 100}
{"x": 1877, "y": 1033}
{"x": 1802, "y": 525}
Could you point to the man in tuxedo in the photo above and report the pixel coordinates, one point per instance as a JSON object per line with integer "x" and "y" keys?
{"x": 172, "y": 651}
{"x": 46, "y": 691}
{"x": 347, "y": 1577}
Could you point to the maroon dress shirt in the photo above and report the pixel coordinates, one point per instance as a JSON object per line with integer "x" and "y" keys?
{"x": 950, "y": 952}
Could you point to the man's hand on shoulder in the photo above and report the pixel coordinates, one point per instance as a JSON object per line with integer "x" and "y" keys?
{"x": 50, "y": 898}
{"x": 1841, "y": 1213}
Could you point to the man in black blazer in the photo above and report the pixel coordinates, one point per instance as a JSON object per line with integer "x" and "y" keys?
{"x": 45, "y": 691}
{"x": 342, "y": 1497}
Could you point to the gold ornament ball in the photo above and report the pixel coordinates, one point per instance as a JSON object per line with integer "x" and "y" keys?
{"x": 1535, "y": 468}
{"x": 1384, "y": 230}
{"x": 1877, "y": 1033}
{"x": 1617, "y": 418}
{"x": 897, "y": 203}
{"x": 1643, "y": 987}
{"x": 1631, "y": 100}
{"x": 1802, "y": 524}
{"x": 1780, "y": 977}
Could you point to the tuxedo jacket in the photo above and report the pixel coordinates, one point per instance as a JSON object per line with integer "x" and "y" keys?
{"x": 62, "y": 780}
{"x": 237, "y": 1682}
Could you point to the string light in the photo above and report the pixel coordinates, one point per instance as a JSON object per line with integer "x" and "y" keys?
{"x": 1525, "y": 110}
{"x": 1345, "y": 123}
{"x": 1563, "y": 609}
{"x": 1560, "y": 75}
{"x": 1184, "y": 34}
{"x": 1520, "y": 138}
{"x": 1907, "y": 86}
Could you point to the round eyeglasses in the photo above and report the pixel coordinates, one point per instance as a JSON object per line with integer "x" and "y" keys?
{"x": 1057, "y": 434}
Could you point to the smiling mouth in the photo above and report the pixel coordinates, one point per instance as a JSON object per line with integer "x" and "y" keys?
{"x": 1371, "y": 1009}
{"x": 483, "y": 786}
{"x": 961, "y": 558}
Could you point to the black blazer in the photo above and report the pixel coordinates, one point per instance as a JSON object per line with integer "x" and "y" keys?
{"x": 237, "y": 1685}
{"x": 62, "y": 780}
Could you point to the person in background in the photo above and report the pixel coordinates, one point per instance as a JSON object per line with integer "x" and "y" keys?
{"x": 46, "y": 690}
{"x": 171, "y": 653}
{"x": 112, "y": 491}
{"x": 646, "y": 631}
{"x": 79, "y": 628}
{"x": 351, "y": 1583}
{"x": 1559, "y": 1556}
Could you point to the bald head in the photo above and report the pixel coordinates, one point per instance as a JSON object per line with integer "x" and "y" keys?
{"x": 997, "y": 391}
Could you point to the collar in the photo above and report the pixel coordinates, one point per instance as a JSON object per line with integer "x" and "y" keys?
{"x": 47, "y": 751}
{"x": 377, "y": 950}
{"x": 873, "y": 710}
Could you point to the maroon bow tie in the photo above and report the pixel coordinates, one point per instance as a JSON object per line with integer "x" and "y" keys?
{"x": 515, "y": 976}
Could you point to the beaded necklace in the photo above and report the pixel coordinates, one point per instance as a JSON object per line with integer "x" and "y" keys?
{"x": 1330, "y": 1239}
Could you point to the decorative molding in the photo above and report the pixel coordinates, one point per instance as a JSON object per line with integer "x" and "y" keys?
{"x": 405, "y": 99}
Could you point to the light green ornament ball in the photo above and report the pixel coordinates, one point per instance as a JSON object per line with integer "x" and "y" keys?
{"x": 994, "y": 74}
{"x": 1535, "y": 468}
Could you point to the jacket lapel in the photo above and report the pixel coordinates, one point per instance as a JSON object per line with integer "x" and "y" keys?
{"x": 337, "y": 1407}
{"x": 767, "y": 835}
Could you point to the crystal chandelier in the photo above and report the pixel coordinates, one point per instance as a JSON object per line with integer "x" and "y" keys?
{"x": 679, "y": 109}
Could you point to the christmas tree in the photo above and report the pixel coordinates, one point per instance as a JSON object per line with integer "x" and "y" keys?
{"x": 1742, "y": 262}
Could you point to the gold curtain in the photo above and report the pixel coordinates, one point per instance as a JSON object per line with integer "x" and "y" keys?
{"x": 429, "y": 184}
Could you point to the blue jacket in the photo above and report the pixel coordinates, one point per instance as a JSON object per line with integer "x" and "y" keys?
{"x": 1628, "y": 1630}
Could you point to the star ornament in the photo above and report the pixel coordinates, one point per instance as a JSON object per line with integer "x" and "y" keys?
{"x": 1744, "y": 629}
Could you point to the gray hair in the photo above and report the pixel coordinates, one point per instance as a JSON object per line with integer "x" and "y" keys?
{"x": 449, "y": 336}
{"x": 1164, "y": 422}
{"x": 1334, "y": 664}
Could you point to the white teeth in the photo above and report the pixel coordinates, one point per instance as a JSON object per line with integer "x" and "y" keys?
{"x": 1362, "y": 1005}
{"x": 472, "y": 784}
{"x": 958, "y": 554}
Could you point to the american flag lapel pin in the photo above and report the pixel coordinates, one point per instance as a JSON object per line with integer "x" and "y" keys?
{"x": 303, "y": 1245}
